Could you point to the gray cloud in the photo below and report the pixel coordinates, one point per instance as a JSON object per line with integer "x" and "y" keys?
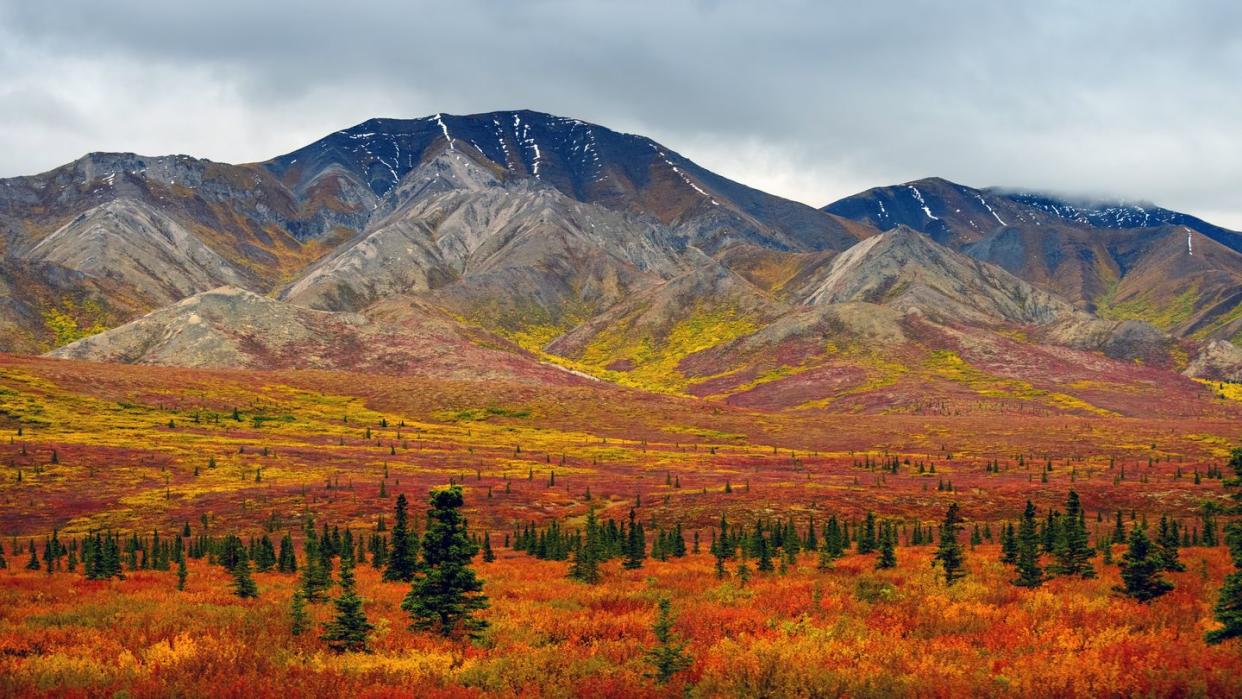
{"x": 812, "y": 100}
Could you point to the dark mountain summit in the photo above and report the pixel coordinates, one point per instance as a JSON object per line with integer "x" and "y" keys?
{"x": 585, "y": 162}
{"x": 956, "y": 214}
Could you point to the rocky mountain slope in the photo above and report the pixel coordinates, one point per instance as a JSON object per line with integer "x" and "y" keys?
{"x": 907, "y": 270}
{"x": 519, "y": 245}
{"x": 1119, "y": 260}
{"x": 232, "y": 327}
{"x": 470, "y": 192}
{"x": 123, "y": 234}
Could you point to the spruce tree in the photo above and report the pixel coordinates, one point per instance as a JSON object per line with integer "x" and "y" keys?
{"x": 1140, "y": 569}
{"x": 835, "y": 539}
{"x": 1072, "y": 548}
{"x": 488, "y": 554}
{"x": 298, "y": 618}
{"x": 1167, "y": 543}
{"x": 1208, "y": 512}
{"x": 315, "y": 579}
{"x": 350, "y": 629}
{"x": 1228, "y": 607}
{"x": 636, "y": 545}
{"x": 446, "y": 594}
{"x": 110, "y": 566}
{"x": 790, "y": 542}
{"x": 1009, "y": 544}
{"x": 588, "y": 555}
{"x": 888, "y": 544}
{"x": 1051, "y": 532}
{"x": 265, "y": 555}
{"x": 286, "y": 560}
{"x": 825, "y": 558}
{"x": 1119, "y": 530}
{"x": 50, "y": 555}
{"x": 867, "y": 541}
{"x": 725, "y": 542}
{"x": 949, "y": 554}
{"x": 402, "y": 554}
{"x": 763, "y": 553}
{"x": 668, "y": 657}
{"x": 243, "y": 583}
{"x": 182, "y": 573}
{"x": 1027, "y": 556}
{"x": 679, "y": 542}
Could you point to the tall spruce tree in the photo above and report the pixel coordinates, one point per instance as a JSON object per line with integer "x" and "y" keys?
{"x": 888, "y": 546}
{"x": 349, "y": 630}
{"x": 867, "y": 540}
{"x": 668, "y": 657}
{"x": 636, "y": 544}
{"x": 589, "y": 553}
{"x": 298, "y": 618}
{"x": 243, "y": 583}
{"x": 1073, "y": 544}
{"x": 678, "y": 542}
{"x": 265, "y": 555}
{"x": 1009, "y": 544}
{"x": 823, "y": 561}
{"x": 1228, "y": 609}
{"x": 1026, "y": 558}
{"x": 1119, "y": 530}
{"x": 446, "y": 595}
{"x": 488, "y": 554}
{"x": 835, "y": 539}
{"x": 1167, "y": 544}
{"x": 949, "y": 553}
{"x": 762, "y": 552}
{"x": 724, "y": 542}
{"x": 286, "y": 560}
{"x": 1140, "y": 569}
{"x": 402, "y": 553}
{"x": 315, "y": 579}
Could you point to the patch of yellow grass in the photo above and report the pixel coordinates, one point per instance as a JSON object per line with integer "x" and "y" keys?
{"x": 950, "y": 365}
{"x": 1224, "y": 389}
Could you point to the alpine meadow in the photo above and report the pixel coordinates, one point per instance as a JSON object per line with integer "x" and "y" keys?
{"x": 505, "y": 403}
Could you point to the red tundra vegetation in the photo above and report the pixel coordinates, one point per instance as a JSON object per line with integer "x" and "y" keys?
{"x": 626, "y": 544}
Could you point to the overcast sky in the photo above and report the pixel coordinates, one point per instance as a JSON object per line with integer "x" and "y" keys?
{"x": 810, "y": 100}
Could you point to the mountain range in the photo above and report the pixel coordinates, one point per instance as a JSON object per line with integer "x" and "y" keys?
{"x": 523, "y": 246}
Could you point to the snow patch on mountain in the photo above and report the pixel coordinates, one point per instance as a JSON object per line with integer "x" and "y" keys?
{"x": 983, "y": 201}
{"x": 919, "y": 195}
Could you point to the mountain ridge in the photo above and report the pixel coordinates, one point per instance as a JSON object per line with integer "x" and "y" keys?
{"x": 568, "y": 247}
{"x": 939, "y": 207}
{"x": 1123, "y": 261}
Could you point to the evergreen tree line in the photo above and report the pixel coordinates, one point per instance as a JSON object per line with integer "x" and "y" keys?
{"x": 1064, "y": 537}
